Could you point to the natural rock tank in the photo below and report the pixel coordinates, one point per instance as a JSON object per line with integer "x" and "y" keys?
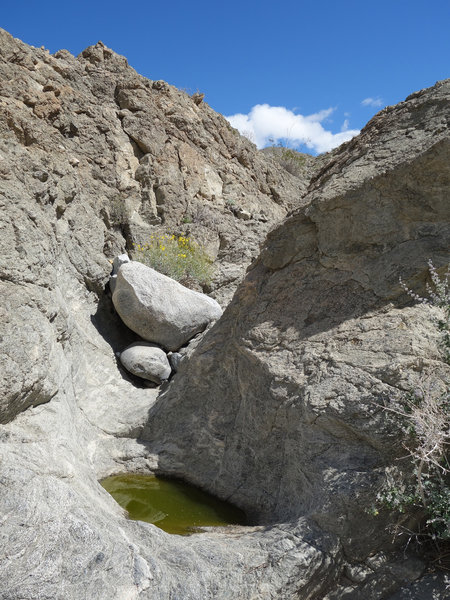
{"x": 172, "y": 505}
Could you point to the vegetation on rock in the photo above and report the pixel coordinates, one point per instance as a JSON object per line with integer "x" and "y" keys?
{"x": 178, "y": 257}
{"x": 294, "y": 162}
{"x": 119, "y": 214}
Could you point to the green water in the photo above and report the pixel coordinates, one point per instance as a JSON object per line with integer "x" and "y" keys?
{"x": 172, "y": 505}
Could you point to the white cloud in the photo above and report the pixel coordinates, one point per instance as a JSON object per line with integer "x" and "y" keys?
{"x": 266, "y": 124}
{"x": 320, "y": 116}
{"x": 376, "y": 102}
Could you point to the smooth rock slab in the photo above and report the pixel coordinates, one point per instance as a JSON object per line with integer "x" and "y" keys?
{"x": 160, "y": 309}
{"x": 147, "y": 361}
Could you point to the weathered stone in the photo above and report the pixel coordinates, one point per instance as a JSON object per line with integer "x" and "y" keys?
{"x": 69, "y": 417}
{"x": 147, "y": 361}
{"x": 282, "y": 416}
{"x": 119, "y": 261}
{"x": 160, "y": 309}
{"x": 242, "y": 214}
{"x": 327, "y": 334}
{"x": 433, "y": 586}
{"x": 175, "y": 359}
{"x": 198, "y": 98}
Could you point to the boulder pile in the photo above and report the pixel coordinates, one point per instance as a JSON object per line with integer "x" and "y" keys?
{"x": 161, "y": 311}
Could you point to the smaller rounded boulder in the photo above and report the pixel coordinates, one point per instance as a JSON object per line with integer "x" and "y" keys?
{"x": 147, "y": 361}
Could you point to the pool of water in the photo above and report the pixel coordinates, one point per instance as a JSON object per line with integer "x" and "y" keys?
{"x": 170, "y": 504}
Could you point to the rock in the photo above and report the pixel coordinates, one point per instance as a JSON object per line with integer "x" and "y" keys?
{"x": 160, "y": 309}
{"x": 69, "y": 417}
{"x": 433, "y": 586}
{"x": 281, "y": 400}
{"x": 175, "y": 359}
{"x": 117, "y": 263}
{"x": 242, "y": 214}
{"x": 281, "y": 415}
{"x": 147, "y": 361}
{"x": 198, "y": 98}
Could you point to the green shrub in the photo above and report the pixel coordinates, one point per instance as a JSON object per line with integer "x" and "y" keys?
{"x": 425, "y": 414}
{"x": 438, "y": 295}
{"x": 177, "y": 257}
{"x": 292, "y": 161}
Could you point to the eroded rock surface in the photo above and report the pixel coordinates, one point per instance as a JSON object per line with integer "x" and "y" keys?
{"x": 72, "y": 198}
{"x": 281, "y": 420}
{"x": 282, "y": 401}
{"x": 146, "y": 154}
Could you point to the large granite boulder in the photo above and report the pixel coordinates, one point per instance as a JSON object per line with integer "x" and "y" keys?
{"x": 147, "y": 361}
{"x": 160, "y": 309}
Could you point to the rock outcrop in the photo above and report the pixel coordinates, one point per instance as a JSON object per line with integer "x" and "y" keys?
{"x": 276, "y": 408}
{"x": 160, "y": 309}
{"x": 328, "y": 336}
{"x": 72, "y": 198}
{"x": 78, "y": 177}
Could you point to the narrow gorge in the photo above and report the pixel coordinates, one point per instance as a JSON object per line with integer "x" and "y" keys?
{"x": 277, "y": 406}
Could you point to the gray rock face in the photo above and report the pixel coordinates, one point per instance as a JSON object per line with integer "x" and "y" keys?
{"x": 147, "y": 361}
{"x": 71, "y": 199}
{"x": 92, "y": 157}
{"x": 175, "y": 359}
{"x": 282, "y": 400}
{"x": 160, "y": 309}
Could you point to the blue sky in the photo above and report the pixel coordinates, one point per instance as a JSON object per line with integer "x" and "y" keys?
{"x": 307, "y": 66}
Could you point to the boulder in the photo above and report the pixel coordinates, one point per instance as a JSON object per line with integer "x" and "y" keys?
{"x": 160, "y": 309}
{"x": 147, "y": 361}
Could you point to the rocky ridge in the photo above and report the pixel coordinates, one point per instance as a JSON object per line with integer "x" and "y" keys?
{"x": 150, "y": 157}
{"x": 94, "y": 157}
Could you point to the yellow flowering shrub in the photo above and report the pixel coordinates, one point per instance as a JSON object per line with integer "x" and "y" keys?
{"x": 177, "y": 257}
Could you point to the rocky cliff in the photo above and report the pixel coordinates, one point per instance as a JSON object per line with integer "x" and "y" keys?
{"x": 278, "y": 408}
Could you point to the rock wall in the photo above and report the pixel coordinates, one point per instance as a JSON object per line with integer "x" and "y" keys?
{"x": 145, "y": 155}
{"x": 86, "y": 146}
{"x": 280, "y": 408}
{"x": 94, "y": 157}
{"x": 73, "y": 195}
